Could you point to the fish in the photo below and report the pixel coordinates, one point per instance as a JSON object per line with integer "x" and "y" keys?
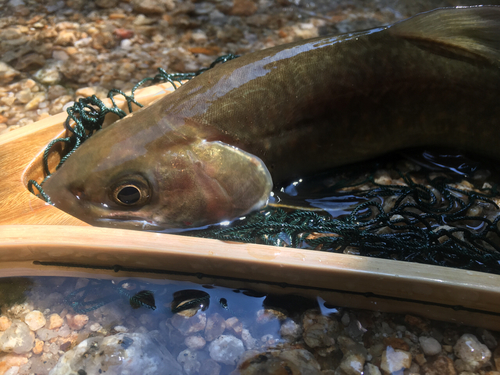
{"x": 213, "y": 150}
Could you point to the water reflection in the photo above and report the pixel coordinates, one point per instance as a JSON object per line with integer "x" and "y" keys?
{"x": 56, "y": 325}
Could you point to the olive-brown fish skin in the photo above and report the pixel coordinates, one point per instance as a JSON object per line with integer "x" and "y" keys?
{"x": 304, "y": 107}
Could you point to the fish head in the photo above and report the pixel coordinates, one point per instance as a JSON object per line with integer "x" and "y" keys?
{"x": 185, "y": 185}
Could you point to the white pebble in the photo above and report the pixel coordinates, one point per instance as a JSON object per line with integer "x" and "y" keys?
{"x": 121, "y": 329}
{"x": 395, "y": 360}
{"x": 226, "y": 349}
{"x": 195, "y": 342}
{"x": 35, "y": 320}
{"x": 126, "y": 44}
{"x": 473, "y": 355}
{"x": 430, "y": 345}
{"x": 247, "y": 339}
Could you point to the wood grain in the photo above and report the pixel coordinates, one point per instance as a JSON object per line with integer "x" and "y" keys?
{"x": 31, "y": 231}
{"x": 21, "y": 160}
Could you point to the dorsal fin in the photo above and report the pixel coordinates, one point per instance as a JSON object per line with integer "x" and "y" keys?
{"x": 469, "y": 31}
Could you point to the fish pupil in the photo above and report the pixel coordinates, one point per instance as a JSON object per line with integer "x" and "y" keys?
{"x": 129, "y": 195}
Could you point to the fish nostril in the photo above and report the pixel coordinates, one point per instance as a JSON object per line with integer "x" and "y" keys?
{"x": 77, "y": 192}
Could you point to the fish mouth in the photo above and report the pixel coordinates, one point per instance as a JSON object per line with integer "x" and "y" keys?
{"x": 103, "y": 217}
{"x": 127, "y": 223}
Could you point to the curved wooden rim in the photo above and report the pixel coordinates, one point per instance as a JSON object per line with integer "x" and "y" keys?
{"x": 103, "y": 247}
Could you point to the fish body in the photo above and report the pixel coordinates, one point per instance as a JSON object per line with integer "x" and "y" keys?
{"x": 210, "y": 151}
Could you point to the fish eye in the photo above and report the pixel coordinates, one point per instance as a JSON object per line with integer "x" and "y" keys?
{"x": 131, "y": 192}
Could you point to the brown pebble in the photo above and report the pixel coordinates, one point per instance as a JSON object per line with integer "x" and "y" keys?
{"x": 442, "y": 365}
{"x": 77, "y": 322}
{"x": 243, "y": 7}
{"x": 65, "y": 346}
{"x": 205, "y": 50}
{"x": 38, "y": 348}
{"x": 117, "y": 16}
{"x": 10, "y": 359}
{"x": 396, "y": 343}
{"x": 55, "y": 321}
{"x": 124, "y": 33}
{"x": 30, "y": 61}
{"x": 4, "y": 323}
{"x": 420, "y": 359}
{"x": 235, "y": 325}
{"x": 416, "y": 322}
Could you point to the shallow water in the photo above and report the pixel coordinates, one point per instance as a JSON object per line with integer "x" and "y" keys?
{"x": 64, "y": 325}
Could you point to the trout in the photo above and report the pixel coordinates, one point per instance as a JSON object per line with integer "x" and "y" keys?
{"x": 210, "y": 151}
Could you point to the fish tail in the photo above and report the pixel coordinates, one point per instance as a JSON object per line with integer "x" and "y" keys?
{"x": 466, "y": 31}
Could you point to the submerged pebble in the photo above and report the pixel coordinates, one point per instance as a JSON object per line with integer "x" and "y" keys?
{"x": 17, "y": 338}
{"x": 123, "y": 353}
{"x": 471, "y": 353}
{"x": 226, "y": 349}
{"x": 35, "y": 320}
{"x": 118, "y": 339}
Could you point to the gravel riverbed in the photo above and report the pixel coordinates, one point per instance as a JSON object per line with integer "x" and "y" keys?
{"x": 53, "y": 52}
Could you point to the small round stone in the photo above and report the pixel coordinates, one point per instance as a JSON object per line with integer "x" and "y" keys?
{"x": 77, "y": 322}
{"x": 4, "y": 323}
{"x": 430, "y": 345}
{"x": 38, "y": 348}
{"x": 55, "y": 321}
{"x": 226, "y": 349}
{"x": 35, "y": 320}
{"x": 394, "y": 360}
{"x": 195, "y": 342}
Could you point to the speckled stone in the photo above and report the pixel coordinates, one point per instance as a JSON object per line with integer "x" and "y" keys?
{"x": 195, "y": 342}
{"x": 441, "y": 365}
{"x": 189, "y": 360}
{"x": 290, "y": 330}
{"x": 119, "y": 354}
{"x": 226, "y": 349}
{"x": 319, "y": 330}
{"x": 471, "y": 352}
{"x": 55, "y": 321}
{"x": 394, "y": 360}
{"x": 287, "y": 361}
{"x": 77, "y": 322}
{"x": 17, "y": 338}
{"x": 35, "y": 320}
